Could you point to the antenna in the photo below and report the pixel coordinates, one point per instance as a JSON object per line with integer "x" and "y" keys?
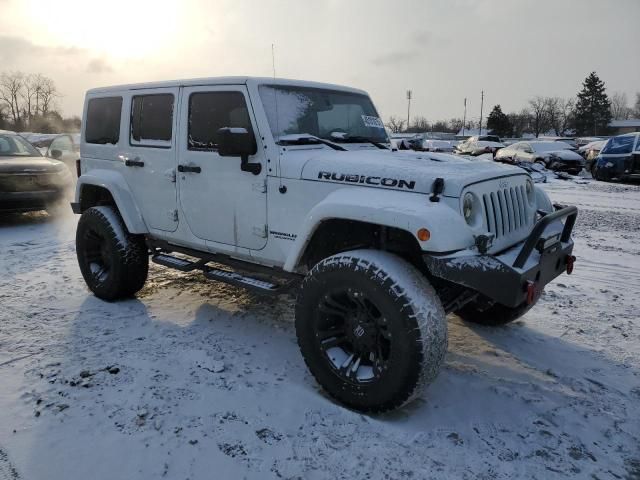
{"x": 273, "y": 59}
{"x": 281, "y": 188}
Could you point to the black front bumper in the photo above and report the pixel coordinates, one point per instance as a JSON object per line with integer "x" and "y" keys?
{"x": 510, "y": 277}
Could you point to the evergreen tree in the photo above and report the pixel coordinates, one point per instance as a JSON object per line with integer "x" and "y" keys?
{"x": 499, "y": 123}
{"x": 593, "y": 108}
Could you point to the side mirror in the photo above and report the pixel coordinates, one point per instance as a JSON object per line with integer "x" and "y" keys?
{"x": 55, "y": 153}
{"x": 238, "y": 142}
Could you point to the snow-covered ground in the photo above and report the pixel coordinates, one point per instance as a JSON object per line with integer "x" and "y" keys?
{"x": 198, "y": 380}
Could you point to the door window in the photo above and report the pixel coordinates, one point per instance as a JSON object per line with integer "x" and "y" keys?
{"x": 152, "y": 120}
{"x": 211, "y": 111}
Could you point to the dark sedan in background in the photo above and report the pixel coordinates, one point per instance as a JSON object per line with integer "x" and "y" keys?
{"x": 556, "y": 156}
{"x": 619, "y": 159}
{"x": 29, "y": 181}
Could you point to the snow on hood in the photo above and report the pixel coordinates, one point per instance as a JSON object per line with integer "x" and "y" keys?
{"x": 413, "y": 172}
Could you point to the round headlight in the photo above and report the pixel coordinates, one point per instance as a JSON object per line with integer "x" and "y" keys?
{"x": 467, "y": 207}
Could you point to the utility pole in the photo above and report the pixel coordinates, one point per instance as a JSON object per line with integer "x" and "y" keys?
{"x": 481, "y": 105}
{"x": 409, "y": 94}
{"x": 464, "y": 117}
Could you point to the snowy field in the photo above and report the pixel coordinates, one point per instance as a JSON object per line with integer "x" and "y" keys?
{"x": 202, "y": 381}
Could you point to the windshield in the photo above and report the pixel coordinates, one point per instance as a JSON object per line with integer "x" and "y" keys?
{"x": 297, "y": 110}
{"x": 550, "y": 146}
{"x": 16, "y": 146}
{"x": 623, "y": 144}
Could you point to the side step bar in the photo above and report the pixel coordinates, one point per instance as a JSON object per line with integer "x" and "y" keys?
{"x": 175, "y": 262}
{"x": 226, "y": 276}
{"x": 238, "y": 280}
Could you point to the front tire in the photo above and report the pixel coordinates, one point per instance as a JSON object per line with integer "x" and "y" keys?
{"x": 371, "y": 329}
{"x": 113, "y": 262}
{"x": 495, "y": 315}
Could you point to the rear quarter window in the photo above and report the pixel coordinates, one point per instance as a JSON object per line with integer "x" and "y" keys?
{"x": 103, "y": 120}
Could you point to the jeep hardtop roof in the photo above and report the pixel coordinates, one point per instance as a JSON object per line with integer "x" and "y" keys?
{"x": 193, "y": 82}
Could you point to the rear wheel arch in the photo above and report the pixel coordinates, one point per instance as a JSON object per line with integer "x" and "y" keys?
{"x": 93, "y": 193}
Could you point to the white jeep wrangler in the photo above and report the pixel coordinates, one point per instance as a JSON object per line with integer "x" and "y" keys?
{"x": 275, "y": 184}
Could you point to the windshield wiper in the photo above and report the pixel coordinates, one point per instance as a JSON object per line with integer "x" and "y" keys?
{"x": 341, "y": 137}
{"x": 307, "y": 139}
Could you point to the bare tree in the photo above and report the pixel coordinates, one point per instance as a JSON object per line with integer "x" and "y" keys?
{"x": 11, "y": 86}
{"x": 565, "y": 107}
{"x": 420, "y": 124}
{"x": 521, "y": 122}
{"x": 47, "y": 93}
{"x": 636, "y": 107}
{"x": 539, "y": 115}
{"x": 395, "y": 124}
{"x": 554, "y": 116}
{"x": 620, "y": 106}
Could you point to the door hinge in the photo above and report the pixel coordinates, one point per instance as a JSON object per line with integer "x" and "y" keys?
{"x": 260, "y": 187}
{"x": 171, "y": 175}
{"x": 260, "y": 231}
{"x": 173, "y": 215}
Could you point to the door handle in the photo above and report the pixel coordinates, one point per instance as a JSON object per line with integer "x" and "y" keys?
{"x": 134, "y": 163}
{"x": 189, "y": 169}
{"x": 131, "y": 162}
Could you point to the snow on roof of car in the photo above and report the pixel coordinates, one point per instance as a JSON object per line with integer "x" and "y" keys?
{"x": 224, "y": 81}
{"x": 549, "y": 145}
{"x": 631, "y": 122}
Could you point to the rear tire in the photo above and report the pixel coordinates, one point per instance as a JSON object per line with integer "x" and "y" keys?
{"x": 495, "y": 315}
{"x": 371, "y": 329}
{"x": 113, "y": 262}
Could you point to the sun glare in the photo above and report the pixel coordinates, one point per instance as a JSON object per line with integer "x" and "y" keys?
{"x": 118, "y": 28}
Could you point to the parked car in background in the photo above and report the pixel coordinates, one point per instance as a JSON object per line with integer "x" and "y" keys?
{"x": 65, "y": 148}
{"x": 571, "y": 141}
{"x": 39, "y": 140}
{"x": 556, "y": 156}
{"x": 476, "y": 146}
{"x": 590, "y": 152}
{"x": 437, "y": 146}
{"x": 29, "y": 181}
{"x": 581, "y": 142}
{"x": 619, "y": 159}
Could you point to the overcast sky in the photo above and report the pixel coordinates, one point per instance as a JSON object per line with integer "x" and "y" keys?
{"x": 444, "y": 50}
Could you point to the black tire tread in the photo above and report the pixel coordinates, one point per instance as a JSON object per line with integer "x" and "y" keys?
{"x": 131, "y": 252}
{"x": 409, "y": 290}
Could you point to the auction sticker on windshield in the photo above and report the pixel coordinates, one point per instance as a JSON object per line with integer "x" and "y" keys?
{"x": 370, "y": 121}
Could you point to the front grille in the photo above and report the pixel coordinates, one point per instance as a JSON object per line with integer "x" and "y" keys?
{"x": 505, "y": 210}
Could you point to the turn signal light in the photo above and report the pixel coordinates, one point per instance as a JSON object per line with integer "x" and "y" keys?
{"x": 423, "y": 234}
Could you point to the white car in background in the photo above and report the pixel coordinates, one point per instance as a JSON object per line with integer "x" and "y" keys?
{"x": 437, "y": 146}
{"x": 558, "y": 156}
{"x": 478, "y": 146}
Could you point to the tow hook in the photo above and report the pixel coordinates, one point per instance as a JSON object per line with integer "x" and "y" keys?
{"x": 532, "y": 292}
{"x": 570, "y": 261}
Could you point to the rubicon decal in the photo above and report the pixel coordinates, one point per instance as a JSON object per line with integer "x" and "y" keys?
{"x": 368, "y": 180}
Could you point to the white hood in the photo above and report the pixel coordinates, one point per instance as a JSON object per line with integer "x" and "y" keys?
{"x": 412, "y": 172}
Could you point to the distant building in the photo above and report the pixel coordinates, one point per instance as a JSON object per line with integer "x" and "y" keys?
{"x": 618, "y": 127}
